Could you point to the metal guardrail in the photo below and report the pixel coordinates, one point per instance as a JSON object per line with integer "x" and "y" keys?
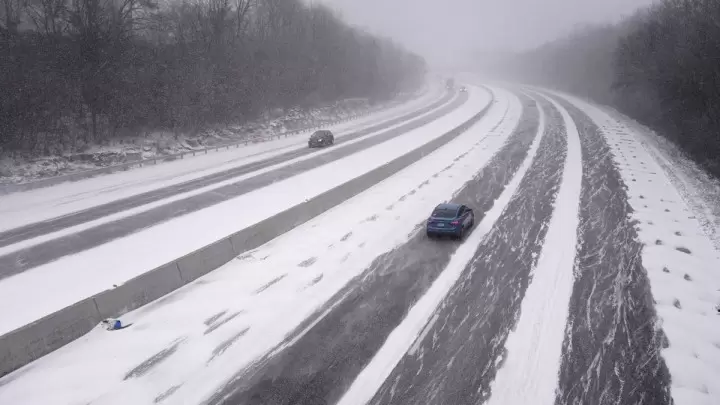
{"x": 85, "y": 174}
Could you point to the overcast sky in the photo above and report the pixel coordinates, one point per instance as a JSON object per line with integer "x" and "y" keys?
{"x": 446, "y": 29}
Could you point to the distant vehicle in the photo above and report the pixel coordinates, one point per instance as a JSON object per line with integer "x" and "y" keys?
{"x": 463, "y": 89}
{"x": 321, "y": 138}
{"x": 450, "y": 83}
{"x": 450, "y": 219}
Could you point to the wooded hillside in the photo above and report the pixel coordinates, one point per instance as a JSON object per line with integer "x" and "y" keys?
{"x": 74, "y": 72}
{"x": 661, "y": 67}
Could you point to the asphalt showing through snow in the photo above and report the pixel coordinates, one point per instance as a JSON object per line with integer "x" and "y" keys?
{"x": 462, "y": 350}
{"x": 323, "y": 362}
{"x": 612, "y": 348}
{"x": 42, "y": 253}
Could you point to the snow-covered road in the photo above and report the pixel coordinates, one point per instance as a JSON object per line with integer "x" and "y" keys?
{"x": 54, "y": 271}
{"x": 40, "y": 205}
{"x": 39, "y": 243}
{"x": 587, "y": 280}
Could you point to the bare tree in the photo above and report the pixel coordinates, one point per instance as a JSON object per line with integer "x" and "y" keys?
{"x": 96, "y": 67}
{"x": 10, "y": 14}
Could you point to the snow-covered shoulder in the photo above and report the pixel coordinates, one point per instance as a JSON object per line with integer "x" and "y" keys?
{"x": 682, "y": 263}
{"x": 700, "y": 190}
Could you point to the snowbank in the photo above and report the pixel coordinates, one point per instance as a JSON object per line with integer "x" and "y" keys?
{"x": 22, "y": 169}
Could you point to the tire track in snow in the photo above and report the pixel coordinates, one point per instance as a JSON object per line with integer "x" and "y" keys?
{"x": 534, "y": 347}
{"x": 324, "y": 361}
{"x": 458, "y": 359}
{"x": 612, "y": 341}
{"x": 422, "y": 316}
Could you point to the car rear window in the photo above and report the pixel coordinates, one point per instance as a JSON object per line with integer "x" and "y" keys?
{"x": 444, "y": 212}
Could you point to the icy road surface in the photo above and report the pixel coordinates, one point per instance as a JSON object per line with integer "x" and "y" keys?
{"x": 587, "y": 280}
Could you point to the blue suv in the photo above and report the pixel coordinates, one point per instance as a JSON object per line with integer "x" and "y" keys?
{"x": 450, "y": 219}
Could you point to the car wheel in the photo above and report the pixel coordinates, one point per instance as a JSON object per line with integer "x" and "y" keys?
{"x": 430, "y": 235}
{"x": 472, "y": 221}
{"x": 461, "y": 234}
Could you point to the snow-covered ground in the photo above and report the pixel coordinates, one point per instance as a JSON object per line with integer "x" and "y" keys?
{"x": 162, "y": 143}
{"x": 37, "y": 292}
{"x": 186, "y": 346}
{"x": 700, "y": 191}
{"x": 18, "y": 209}
{"x": 682, "y": 264}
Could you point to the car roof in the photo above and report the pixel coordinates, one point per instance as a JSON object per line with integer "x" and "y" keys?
{"x": 448, "y": 206}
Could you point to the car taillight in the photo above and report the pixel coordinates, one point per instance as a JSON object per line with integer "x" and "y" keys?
{"x": 455, "y": 223}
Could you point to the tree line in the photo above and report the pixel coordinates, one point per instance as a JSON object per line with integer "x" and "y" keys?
{"x": 74, "y": 72}
{"x": 660, "y": 66}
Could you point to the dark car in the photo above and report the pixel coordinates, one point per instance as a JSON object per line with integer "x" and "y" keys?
{"x": 321, "y": 138}
{"x": 450, "y": 219}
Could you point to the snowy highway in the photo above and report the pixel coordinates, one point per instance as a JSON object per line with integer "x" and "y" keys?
{"x": 587, "y": 279}
{"x": 49, "y": 263}
{"x": 45, "y": 252}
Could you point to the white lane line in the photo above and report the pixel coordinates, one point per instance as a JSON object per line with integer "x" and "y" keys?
{"x": 534, "y": 347}
{"x": 422, "y": 335}
{"x": 374, "y": 374}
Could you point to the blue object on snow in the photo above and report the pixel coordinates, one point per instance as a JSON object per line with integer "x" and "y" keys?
{"x": 113, "y": 324}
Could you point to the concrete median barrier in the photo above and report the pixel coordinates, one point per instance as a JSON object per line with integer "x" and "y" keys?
{"x": 139, "y": 291}
{"x": 47, "y": 334}
{"x": 205, "y": 260}
{"x": 26, "y": 344}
